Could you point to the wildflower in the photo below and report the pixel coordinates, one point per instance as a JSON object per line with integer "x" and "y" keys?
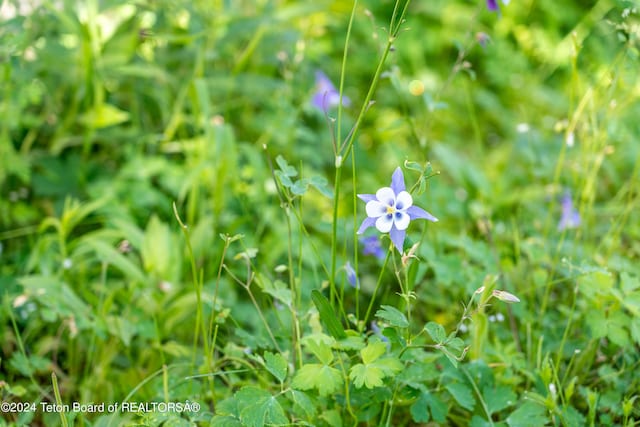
{"x": 351, "y": 275}
{"x": 505, "y": 296}
{"x": 377, "y": 332}
{"x": 492, "y": 5}
{"x": 372, "y": 246}
{"x": 391, "y": 210}
{"x": 326, "y": 94}
{"x": 570, "y": 217}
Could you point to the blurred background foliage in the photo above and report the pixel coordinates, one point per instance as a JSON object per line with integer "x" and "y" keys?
{"x": 111, "y": 111}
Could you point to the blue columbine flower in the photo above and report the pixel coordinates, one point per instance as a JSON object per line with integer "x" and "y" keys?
{"x": 351, "y": 275}
{"x": 326, "y": 95}
{"x": 570, "y": 216}
{"x": 391, "y": 210}
{"x": 371, "y": 246}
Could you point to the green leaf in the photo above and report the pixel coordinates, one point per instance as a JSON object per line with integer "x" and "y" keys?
{"x": 389, "y": 365}
{"x": 332, "y": 418}
{"x": 104, "y": 115}
{"x": 303, "y": 401}
{"x": 224, "y": 421}
{"x": 420, "y": 408}
{"x": 327, "y": 315}
{"x": 530, "y": 414}
{"x": 322, "y": 185}
{"x": 477, "y": 421}
{"x": 286, "y": 169}
{"x": 325, "y": 379}
{"x": 437, "y": 407}
{"x": 276, "y": 364}
{"x": 498, "y": 398}
{"x": 368, "y": 375}
{"x": 110, "y": 255}
{"x": 414, "y": 166}
{"x": 300, "y": 187}
{"x": 436, "y": 331}
{"x": 284, "y": 179}
{"x": 258, "y": 407}
{"x": 320, "y": 349}
{"x": 394, "y": 316}
{"x": 635, "y": 329}
{"x": 373, "y": 351}
{"x": 278, "y": 290}
{"x": 462, "y": 394}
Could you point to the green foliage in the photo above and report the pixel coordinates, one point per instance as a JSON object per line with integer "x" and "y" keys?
{"x": 176, "y": 214}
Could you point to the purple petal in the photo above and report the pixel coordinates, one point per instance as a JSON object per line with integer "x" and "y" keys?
{"x": 492, "y": 5}
{"x": 323, "y": 83}
{"x": 397, "y": 181}
{"x": 367, "y": 197}
{"x": 415, "y": 213}
{"x": 368, "y": 222}
{"x": 397, "y": 237}
{"x": 318, "y": 100}
{"x": 351, "y": 274}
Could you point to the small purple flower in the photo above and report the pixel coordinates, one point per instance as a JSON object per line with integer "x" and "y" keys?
{"x": 326, "y": 95}
{"x": 391, "y": 210}
{"x": 371, "y": 246}
{"x": 377, "y": 332}
{"x": 492, "y": 5}
{"x": 351, "y": 275}
{"x": 570, "y": 216}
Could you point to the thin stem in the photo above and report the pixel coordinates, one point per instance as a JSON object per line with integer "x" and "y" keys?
{"x": 56, "y": 392}
{"x": 379, "y": 282}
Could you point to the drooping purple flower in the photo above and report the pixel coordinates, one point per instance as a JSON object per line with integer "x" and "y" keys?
{"x": 570, "y": 217}
{"x": 351, "y": 275}
{"x": 326, "y": 95}
{"x": 371, "y": 246}
{"x": 391, "y": 210}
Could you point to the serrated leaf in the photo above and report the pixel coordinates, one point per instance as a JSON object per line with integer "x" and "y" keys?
{"x": 394, "y": 316}
{"x": 372, "y": 351}
{"x": 325, "y": 379}
{"x": 436, "y": 332}
{"x": 368, "y": 375}
{"x": 276, "y": 364}
{"x": 462, "y": 394}
{"x": 258, "y": 407}
{"x": 530, "y": 414}
{"x": 328, "y": 316}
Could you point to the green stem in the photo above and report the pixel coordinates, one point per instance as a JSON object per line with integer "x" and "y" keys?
{"x": 379, "y": 282}
{"x": 56, "y": 392}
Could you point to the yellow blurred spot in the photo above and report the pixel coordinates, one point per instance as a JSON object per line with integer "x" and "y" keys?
{"x": 416, "y": 87}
